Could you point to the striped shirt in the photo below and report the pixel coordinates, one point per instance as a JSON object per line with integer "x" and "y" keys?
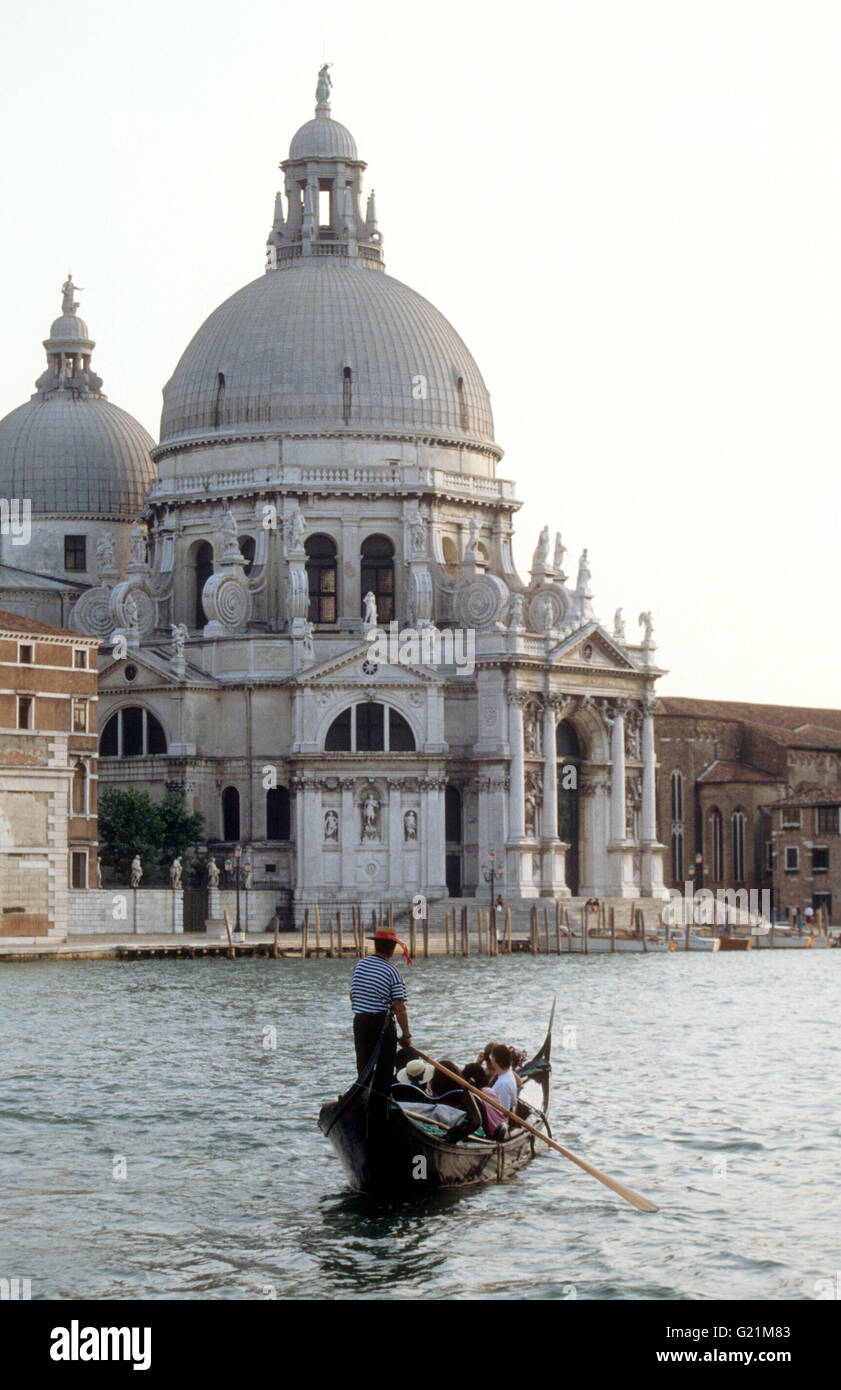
{"x": 375, "y": 985}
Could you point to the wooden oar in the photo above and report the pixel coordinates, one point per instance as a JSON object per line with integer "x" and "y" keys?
{"x": 641, "y": 1203}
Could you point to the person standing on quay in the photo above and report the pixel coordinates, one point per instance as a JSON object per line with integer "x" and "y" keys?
{"x": 377, "y": 996}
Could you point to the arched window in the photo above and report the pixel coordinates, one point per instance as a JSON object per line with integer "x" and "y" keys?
{"x": 347, "y": 394}
{"x": 378, "y": 575}
{"x": 717, "y": 845}
{"x": 452, "y": 815}
{"x": 203, "y": 563}
{"x": 132, "y": 733}
{"x": 463, "y": 414}
{"x": 737, "y": 823}
{"x": 677, "y": 795}
{"x": 219, "y": 402}
{"x": 369, "y": 728}
{"x": 230, "y": 814}
{"x": 321, "y": 578}
{"x": 677, "y": 854}
{"x": 246, "y": 550}
{"x": 277, "y": 813}
{"x": 79, "y": 795}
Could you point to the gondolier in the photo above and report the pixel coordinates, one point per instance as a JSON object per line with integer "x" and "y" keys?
{"x": 378, "y": 996}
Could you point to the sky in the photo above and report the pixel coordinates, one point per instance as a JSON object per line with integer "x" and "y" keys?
{"x": 631, "y": 212}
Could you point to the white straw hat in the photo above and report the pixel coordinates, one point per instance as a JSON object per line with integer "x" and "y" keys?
{"x": 416, "y": 1073}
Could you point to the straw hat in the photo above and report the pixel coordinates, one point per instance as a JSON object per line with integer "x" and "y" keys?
{"x": 384, "y": 934}
{"x": 416, "y": 1073}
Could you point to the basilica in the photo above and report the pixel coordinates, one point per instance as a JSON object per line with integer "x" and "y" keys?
{"x": 327, "y": 477}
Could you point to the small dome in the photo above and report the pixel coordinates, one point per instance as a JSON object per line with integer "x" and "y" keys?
{"x": 323, "y": 138}
{"x": 75, "y": 456}
{"x": 70, "y": 328}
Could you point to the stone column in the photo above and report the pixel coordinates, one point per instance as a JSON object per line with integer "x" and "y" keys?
{"x": 437, "y": 878}
{"x": 519, "y": 870}
{"x": 652, "y": 853}
{"x": 617, "y": 786}
{"x": 516, "y": 796}
{"x": 347, "y": 836}
{"x": 550, "y": 772}
{"x": 553, "y": 851}
{"x": 620, "y": 851}
{"x": 396, "y": 877}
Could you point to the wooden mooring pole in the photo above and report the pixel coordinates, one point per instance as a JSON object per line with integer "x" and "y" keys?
{"x": 612, "y": 916}
{"x": 340, "y": 942}
{"x": 447, "y": 932}
{"x": 305, "y": 933}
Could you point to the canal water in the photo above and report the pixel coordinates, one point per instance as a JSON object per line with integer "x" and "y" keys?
{"x": 159, "y": 1137}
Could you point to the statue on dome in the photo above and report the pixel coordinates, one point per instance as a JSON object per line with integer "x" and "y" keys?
{"x": 541, "y": 554}
{"x": 68, "y": 303}
{"x": 560, "y": 552}
{"x": 106, "y": 562}
{"x": 647, "y": 623}
{"x": 584, "y": 576}
{"x": 619, "y": 626}
{"x": 323, "y": 86}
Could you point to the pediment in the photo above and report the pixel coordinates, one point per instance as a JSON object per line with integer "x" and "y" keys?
{"x": 353, "y": 667}
{"x": 592, "y": 646}
{"x": 154, "y": 672}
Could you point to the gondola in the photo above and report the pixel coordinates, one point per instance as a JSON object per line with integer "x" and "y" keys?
{"x": 390, "y": 1150}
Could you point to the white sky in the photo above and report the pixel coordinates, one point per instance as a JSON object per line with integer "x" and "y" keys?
{"x": 630, "y": 211}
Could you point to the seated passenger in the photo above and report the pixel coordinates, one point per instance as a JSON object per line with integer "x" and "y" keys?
{"x": 441, "y": 1085}
{"x": 416, "y": 1073}
{"x": 504, "y": 1082}
{"x": 494, "y": 1120}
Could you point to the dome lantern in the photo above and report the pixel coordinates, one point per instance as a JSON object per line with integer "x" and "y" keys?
{"x": 69, "y": 348}
{"x": 323, "y": 188}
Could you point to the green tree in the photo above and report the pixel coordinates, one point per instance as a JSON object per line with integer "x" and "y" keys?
{"x": 129, "y": 823}
{"x": 181, "y": 828}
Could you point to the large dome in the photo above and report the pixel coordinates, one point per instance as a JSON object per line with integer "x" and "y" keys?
{"x": 273, "y": 360}
{"x": 323, "y": 138}
{"x": 75, "y": 456}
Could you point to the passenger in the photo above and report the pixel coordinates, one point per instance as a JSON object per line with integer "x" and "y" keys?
{"x": 416, "y": 1073}
{"x": 494, "y": 1123}
{"x": 504, "y": 1081}
{"x": 441, "y": 1084}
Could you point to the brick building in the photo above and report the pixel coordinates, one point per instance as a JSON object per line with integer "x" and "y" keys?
{"x": 806, "y": 850}
{"x": 48, "y": 773}
{"x": 725, "y": 772}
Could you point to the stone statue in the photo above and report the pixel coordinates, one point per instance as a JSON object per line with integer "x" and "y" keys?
{"x": 136, "y": 871}
{"x": 132, "y": 615}
{"x": 324, "y": 85}
{"x": 68, "y": 303}
{"x": 180, "y": 633}
{"x": 370, "y": 610}
{"x": 98, "y": 873}
{"x": 106, "y": 562}
{"x": 541, "y": 554}
{"x": 175, "y": 870}
{"x": 297, "y": 527}
{"x": 647, "y": 622}
{"x": 560, "y": 552}
{"x": 247, "y": 873}
{"x": 516, "y": 617}
{"x": 370, "y": 818}
{"x": 212, "y": 874}
{"x": 137, "y": 543}
{"x": 331, "y": 826}
{"x": 583, "y": 573}
{"x": 530, "y": 732}
{"x": 545, "y": 612}
{"x": 410, "y": 826}
{"x": 471, "y": 551}
{"x": 418, "y": 534}
{"x": 229, "y": 531}
{"x": 619, "y": 626}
